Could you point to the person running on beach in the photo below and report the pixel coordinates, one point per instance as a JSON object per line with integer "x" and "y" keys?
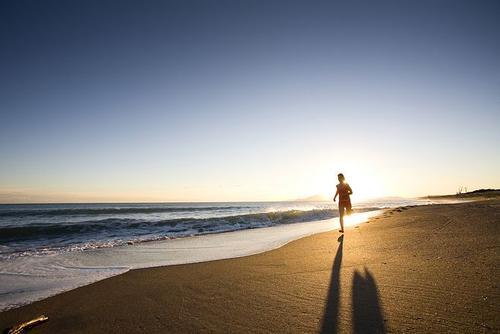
{"x": 343, "y": 191}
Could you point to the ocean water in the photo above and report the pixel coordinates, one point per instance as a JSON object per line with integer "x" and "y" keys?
{"x": 47, "y": 249}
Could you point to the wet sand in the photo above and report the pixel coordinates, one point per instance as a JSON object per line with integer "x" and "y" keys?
{"x": 420, "y": 269}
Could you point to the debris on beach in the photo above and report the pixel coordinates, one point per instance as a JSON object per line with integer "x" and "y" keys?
{"x": 22, "y": 328}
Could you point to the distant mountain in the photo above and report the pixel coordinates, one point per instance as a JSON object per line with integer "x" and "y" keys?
{"x": 313, "y": 198}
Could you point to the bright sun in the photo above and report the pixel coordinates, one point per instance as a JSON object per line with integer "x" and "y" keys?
{"x": 364, "y": 184}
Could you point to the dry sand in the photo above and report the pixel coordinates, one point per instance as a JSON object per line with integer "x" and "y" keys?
{"x": 426, "y": 269}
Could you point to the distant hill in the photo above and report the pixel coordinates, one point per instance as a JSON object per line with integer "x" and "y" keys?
{"x": 480, "y": 193}
{"x": 313, "y": 198}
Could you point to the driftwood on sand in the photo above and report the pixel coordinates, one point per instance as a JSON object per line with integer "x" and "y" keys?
{"x": 22, "y": 328}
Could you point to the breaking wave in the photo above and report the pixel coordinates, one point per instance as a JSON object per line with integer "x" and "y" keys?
{"x": 23, "y": 240}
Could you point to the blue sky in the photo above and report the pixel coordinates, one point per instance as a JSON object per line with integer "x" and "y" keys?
{"x": 246, "y": 100}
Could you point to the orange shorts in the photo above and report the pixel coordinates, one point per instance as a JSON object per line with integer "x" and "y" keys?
{"x": 345, "y": 204}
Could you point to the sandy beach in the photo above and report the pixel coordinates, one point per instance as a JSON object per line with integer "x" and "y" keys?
{"x": 186, "y": 166}
{"x": 418, "y": 269}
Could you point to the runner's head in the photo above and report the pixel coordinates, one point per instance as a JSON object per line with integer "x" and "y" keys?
{"x": 341, "y": 177}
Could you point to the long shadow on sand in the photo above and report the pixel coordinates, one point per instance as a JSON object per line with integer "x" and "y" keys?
{"x": 366, "y": 309}
{"x": 330, "y": 318}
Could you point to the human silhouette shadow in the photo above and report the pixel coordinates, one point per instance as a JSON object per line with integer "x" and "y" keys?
{"x": 330, "y": 318}
{"x": 366, "y": 309}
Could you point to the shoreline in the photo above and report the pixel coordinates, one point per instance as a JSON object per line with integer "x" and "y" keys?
{"x": 152, "y": 254}
{"x": 203, "y": 290}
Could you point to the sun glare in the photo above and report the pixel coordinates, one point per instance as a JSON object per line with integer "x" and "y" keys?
{"x": 365, "y": 184}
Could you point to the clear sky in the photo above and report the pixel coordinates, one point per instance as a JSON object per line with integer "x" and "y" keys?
{"x": 246, "y": 100}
